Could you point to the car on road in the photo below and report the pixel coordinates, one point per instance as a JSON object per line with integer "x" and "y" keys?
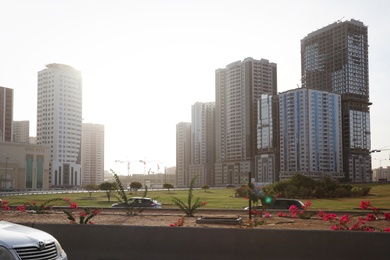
{"x": 230, "y": 186}
{"x": 22, "y": 242}
{"x": 140, "y": 202}
{"x": 281, "y": 204}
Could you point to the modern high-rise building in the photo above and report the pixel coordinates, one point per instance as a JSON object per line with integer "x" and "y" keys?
{"x": 238, "y": 87}
{"x": 92, "y": 154}
{"x": 183, "y": 154}
{"x": 21, "y": 131}
{"x": 59, "y": 122}
{"x": 335, "y": 59}
{"x": 203, "y": 143}
{"x": 310, "y": 134}
{"x": 6, "y": 113}
{"x": 267, "y": 158}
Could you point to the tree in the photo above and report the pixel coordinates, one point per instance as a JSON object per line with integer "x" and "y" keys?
{"x": 135, "y": 185}
{"x": 108, "y": 187}
{"x": 168, "y": 186}
{"x": 205, "y": 187}
{"x": 90, "y": 188}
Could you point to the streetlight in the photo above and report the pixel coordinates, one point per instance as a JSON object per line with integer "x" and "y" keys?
{"x": 6, "y": 173}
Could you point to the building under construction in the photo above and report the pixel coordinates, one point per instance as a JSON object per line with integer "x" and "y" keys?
{"x": 335, "y": 59}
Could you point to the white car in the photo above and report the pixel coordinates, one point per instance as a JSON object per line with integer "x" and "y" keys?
{"x": 140, "y": 202}
{"x": 22, "y": 242}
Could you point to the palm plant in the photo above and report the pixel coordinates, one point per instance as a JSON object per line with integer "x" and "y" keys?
{"x": 124, "y": 200}
{"x": 190, "y": 207}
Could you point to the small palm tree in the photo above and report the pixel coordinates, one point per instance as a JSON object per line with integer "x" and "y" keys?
{"x": 189, "y": 208}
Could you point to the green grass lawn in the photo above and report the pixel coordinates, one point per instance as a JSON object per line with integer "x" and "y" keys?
{"x": 216, "y": 199}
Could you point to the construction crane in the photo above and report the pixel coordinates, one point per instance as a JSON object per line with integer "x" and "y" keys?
{"x": 128, "y": 165}
{"x": 147, "y": 162}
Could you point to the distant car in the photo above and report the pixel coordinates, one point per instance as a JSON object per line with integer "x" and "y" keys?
{"x": 230, "y": 186}
{"x": 281, "y": 204}
{"x": 140, "y": 202}
{"x": 22, "y": 242}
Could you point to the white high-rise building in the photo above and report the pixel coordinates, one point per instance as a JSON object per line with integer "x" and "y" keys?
{"x": 203, "y": 143}
{"x": 183, "y": 154}
{"x": 238, "y": 87}
{"x": 92, "y": 155}
{"x": 59, "y": 122}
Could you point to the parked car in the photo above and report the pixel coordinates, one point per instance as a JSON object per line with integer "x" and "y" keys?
{"x": 140, "y": 202}
{"x": 22, "y": 242}
{"x": 230, "y": 186}
{"x": 281, "y": 204}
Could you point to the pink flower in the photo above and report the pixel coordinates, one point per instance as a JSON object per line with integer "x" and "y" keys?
{"x": 370, "y": 217}
{"x": 67, "y": 200}
{"x": 344, "y": 219}
{"x": 387, "y": 215}
{"x": 204, "y": 203}
{"x": 336, "y": 227}
{"x": 306, "y": 205}
{"x": 293, "y": 210}
{"x": 321, "y": 214}
{"x": 365, "y": 205}
{"x": 267, "y": 215}
{"x": 329, "y": 217}
{"x": 21, "y": 208}
{"x": 386, "y": 229}
{"x": 375, "y": 209}
{"x": 73, "y": 205}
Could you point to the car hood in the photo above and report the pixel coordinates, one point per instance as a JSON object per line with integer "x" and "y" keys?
{"x": 19, "y": 235}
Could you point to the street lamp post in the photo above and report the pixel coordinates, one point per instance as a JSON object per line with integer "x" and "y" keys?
{"x": 250, "y": 201}
{"x": 6, "y": 174}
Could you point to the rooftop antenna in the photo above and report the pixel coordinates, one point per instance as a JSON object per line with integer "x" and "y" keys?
{"x": 340, "y": 19}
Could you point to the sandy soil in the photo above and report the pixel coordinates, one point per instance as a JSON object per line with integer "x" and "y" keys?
{"x": 149, "y": 219}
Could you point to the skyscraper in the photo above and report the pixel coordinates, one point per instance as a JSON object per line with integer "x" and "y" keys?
{"x": 310, "y": 134}
{"x": 6, "y": 113}
{"x": 203, "y": 143}
{"x": 238, "y": 87}
{"x": 335, "y": 59}
{"x": 59, "y": 122}
{"x": 183, "y": 153}
{"x": 21, "y": 131}
{"x": 267, "y": 158}
{"x": 92, "y": 155}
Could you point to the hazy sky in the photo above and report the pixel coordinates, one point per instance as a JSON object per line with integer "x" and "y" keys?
{"x": 144, "y": 63}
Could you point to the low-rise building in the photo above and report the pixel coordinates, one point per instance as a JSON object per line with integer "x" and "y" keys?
{"x": 24, "y": 166}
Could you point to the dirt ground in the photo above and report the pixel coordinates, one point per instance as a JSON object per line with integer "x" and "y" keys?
{"x": 150, "y": 219}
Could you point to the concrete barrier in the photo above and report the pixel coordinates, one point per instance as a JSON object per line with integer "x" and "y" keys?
{"x": 106, "y": 242}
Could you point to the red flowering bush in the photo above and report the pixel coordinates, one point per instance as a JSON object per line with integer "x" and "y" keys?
{"x": 33, "y": 207}
{"x": 179, "y": 223}
{"x": 4, "y": 205}
{"x": 295, "y": 212}
{"x": 85, "y": 215}
{"x": 360, "y": 223}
